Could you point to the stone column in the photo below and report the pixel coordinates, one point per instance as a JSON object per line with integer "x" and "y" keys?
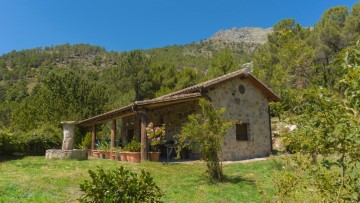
{"x": 68, "y": 131}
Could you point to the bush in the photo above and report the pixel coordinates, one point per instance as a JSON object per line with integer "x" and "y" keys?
{"x": 120, "y": 185}
{"x": 43, "y": 138}
{"x": 34, "y": 142}
{"x": 11, "y": 143}
{"x": 86, "y": 142}
{"x": 205, "y": 131}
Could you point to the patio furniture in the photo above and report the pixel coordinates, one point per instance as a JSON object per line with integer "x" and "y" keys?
{"x": 170, "y": 149}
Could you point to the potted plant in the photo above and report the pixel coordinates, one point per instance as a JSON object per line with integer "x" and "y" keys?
{"x": 115, "y": 154}
{"x": 134, "y": 151}
{"x": 86, "y": 143}
{"x": 96, "y": 153}
{"x": 104, "y": 150}
{"x": 156, "y": 136}
{"x": 123, "y": 154}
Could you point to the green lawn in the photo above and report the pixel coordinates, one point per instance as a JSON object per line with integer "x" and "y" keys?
{"x": 34, "y": 179}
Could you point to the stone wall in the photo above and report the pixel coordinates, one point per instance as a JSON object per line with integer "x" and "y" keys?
{"x": 250, "y": 107}
{"x": 78, "y": 154}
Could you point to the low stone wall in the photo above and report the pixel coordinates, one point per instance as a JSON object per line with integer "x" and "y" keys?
{"x": 78, "y": 154}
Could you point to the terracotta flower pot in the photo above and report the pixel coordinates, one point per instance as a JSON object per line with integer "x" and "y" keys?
{"x": 102, "y": 154}
{"x": 154, "y": 156}
{"x": 128, "y": 157}
{"x": 123, "y": 156}
{"x": 96, "y": 154}
{"x": 114, "y": 155}
{"x": 135, "y": 157}
{"x": 107, "y": 154}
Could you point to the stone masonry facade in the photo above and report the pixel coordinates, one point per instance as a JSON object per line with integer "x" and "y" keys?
{"x": 249, "y": 106}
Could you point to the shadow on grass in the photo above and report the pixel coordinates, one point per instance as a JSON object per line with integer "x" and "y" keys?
{"x": 232, "y": 179}
{"x": 4, "y": 158}
{"x": 175, "y": 161}
{"x": 169, "y": 163}
{"x": 238, "y": 179}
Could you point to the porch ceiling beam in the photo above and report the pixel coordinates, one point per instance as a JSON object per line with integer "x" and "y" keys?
{"x": 150, "y": 106}
{"x": 105, "y": 118}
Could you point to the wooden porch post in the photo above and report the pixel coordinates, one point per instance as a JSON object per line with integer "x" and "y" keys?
{"x": 113, "y": 131}
{"x": 93, "y": 137}
{"x": 143, "y": 137}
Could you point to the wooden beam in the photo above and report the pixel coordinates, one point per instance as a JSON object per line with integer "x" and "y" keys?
{"x": 143, "y": 137}
{"x": 93, "y": 137}
{"x": 113, "y": 131}
{"x": 104, "y": 119}
{"x": 168, "y": 103}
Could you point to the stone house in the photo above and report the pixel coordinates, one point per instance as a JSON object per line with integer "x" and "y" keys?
{"x": 245, "y": 98}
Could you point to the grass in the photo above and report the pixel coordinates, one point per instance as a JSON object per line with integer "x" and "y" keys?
{"x": 34, "y": 179}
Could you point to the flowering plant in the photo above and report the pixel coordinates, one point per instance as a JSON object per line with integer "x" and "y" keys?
{"x": 156, "y": 135}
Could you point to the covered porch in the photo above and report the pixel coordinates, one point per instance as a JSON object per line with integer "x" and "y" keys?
{"x": 171, "y": 111}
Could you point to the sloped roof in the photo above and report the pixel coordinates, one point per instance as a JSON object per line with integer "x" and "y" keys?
{"x": 187, "y": 94}
{"x": 271, "y": 96}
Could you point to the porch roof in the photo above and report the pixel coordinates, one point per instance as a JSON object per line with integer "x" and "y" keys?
{"x": 137, "y": 106}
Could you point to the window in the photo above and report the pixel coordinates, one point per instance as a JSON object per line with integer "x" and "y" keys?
{"x": 242, "y": 132}
{"x": 242, "y": 89}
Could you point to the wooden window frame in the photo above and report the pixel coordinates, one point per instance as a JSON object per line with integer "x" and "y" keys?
{"x": 241, "y": 137}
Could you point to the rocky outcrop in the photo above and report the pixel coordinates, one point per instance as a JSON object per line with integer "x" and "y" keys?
{"x": 244, "y": 34}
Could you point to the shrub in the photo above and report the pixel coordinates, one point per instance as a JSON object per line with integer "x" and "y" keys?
{"x": 120, "y": 185}
{"x": 43, "y": 138}
{"x": 11, "y": 143}
{"x": 86, "y": 142}
{"x": 206, "y": 131}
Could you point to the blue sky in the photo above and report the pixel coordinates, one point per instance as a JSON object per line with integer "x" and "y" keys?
{"x": 142, "y": 24}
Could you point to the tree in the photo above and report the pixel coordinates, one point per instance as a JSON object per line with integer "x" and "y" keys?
{"x": 223, "y": 62}
{"x": 60, "y": 96}
{"x": 206, "y": 131}
{"x": 327, "y": 39}
{"x": 133, "y": 74}
{"x": 352, "y": 25}
{"x": 326, "y": 142}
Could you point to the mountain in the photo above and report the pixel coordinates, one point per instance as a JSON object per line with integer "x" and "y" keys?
{"x": 241, "y": 41}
